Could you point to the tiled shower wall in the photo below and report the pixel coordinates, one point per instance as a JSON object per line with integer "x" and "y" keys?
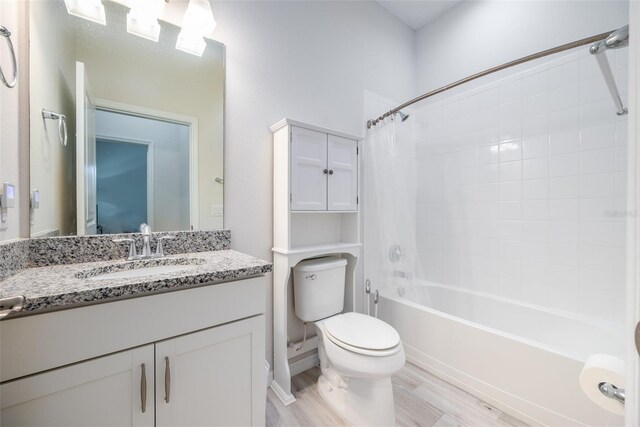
{"x": 522, "y": 187}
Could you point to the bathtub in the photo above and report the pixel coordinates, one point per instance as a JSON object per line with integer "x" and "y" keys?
{"x": 521, "y": 358}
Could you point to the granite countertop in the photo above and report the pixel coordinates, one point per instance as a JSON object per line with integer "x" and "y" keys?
{"x": 65, "y": 286}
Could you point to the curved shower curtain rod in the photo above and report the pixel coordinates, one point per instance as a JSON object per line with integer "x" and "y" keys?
{"x": 557, "y": 49}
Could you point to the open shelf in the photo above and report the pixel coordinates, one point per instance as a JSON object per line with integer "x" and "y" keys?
{"x": 326, "y": 247}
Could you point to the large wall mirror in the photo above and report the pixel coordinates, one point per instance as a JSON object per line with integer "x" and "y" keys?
{"x": 124, "y": 130}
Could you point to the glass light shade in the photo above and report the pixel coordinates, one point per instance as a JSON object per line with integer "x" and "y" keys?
{"x": 191, "y": 42}
{"x": 198, "y": 21}
{"x": 91, "y": 10}
{"x": 142, "y": 19}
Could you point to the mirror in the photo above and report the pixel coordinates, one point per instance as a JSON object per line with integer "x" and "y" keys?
{"x": 124, "y": 130}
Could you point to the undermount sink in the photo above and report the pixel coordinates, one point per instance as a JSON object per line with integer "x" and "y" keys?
{"x": 142, "y": 268}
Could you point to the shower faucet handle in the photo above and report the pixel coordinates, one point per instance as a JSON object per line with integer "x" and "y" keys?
{"x": 367, "y": 286}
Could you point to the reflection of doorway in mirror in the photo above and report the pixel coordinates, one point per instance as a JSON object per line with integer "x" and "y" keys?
{"x": 145, "y": 173}
{"x": 124, "y": 186}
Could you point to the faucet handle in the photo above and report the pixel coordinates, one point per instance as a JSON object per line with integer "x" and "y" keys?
{"x": 159, "y": 247}
{"x": 145, "y": 229}
{"x": 132, "y": 247}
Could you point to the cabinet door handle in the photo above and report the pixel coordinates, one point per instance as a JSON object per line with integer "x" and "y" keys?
{"x": 325, "y": 171}
{"x": 143, "y": 390}
{"x": 330, "y": 171}
{"x": 167, "y": 380}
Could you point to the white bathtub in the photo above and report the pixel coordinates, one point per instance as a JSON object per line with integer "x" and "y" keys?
{"x": 524, "y": 359}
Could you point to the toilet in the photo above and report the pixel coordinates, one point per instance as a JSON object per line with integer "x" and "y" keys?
{"x": 358, "y": 353}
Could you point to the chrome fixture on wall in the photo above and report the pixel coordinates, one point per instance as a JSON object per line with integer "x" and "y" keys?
{"x": 4, "y": 32}
{"x": 616, "y": 40}
{"x": 62, "y": 124}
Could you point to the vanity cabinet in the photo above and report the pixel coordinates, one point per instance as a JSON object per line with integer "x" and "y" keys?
{"x": 108, "y": 391}
{"x": 324, "y": 171}
{"x": 202, "y": 349}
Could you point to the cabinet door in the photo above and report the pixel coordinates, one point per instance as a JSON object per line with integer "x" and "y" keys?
{"x": 107, "y": 391}
{"x": 343, "y": 174}
{"x": 214, "y": 377}
{"x": 308, "y": 165}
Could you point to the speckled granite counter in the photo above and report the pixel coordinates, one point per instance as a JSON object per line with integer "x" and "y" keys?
{"x": 64, "y": 286}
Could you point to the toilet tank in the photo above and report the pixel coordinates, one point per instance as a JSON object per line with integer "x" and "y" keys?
{"x": 318, "y": 287}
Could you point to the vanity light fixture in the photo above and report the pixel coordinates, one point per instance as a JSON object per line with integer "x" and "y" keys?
{"x": 91, "y": 10}
{"x": 142, "y": 19}
{"x": 198, "y": 21}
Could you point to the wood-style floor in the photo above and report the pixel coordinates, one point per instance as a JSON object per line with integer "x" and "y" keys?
{"x": 421, "y": 399}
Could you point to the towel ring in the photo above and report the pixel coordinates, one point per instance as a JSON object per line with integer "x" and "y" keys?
{"x": 4, "y": 31}
{"x": 62, "y": 124}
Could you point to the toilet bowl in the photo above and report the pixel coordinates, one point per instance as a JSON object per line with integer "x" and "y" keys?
{"x": 358, "y": 353}
{"x": 358, "y": 356}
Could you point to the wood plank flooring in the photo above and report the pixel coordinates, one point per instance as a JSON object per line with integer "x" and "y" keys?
{"x": 421, "y": 399}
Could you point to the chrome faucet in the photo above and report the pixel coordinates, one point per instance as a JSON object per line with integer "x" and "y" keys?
{"x": 145, "y": 230}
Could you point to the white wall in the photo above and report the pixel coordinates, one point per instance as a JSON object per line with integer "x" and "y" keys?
{"x": 310, "y": 61}
{"x": 477, "y": 35}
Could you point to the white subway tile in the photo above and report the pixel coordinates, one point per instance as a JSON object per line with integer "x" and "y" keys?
{"x": 510, "y": 210}
{"x": 564, "y": 187}
{"x": 569, "y": 118}
{"x": 564, "y": 97}
{"x": 564, "y": 254}
{"x": 535, "y": 105}
{"x": 510, "y": 230}
{"x": 593, "y": 89}
{"x": 598, "y": 136}
{"x": 535, "y": 168}
{"x": 564, "y": 142}
{"x": 597, "y": 233}
{"x": 601, "y": 111}
{"x": 534, "y": 126}
{"x": 534, "y": 231}
{"x": 510, "y": 151}
{"x": 597, "y": 185}
{"x": 564, "y": 232}
{"x": 511, "y": 191}
{"x": 533, "y": 189}
{"x": 535, "y": 210}
{"x": 511, "y": 171}
{"x": 597, "y": 209}
{"x": 564, "y": 164}
{"x": 564, "y": 210}
{"x": 597, "y": 161}
{"x": 564, "y": 75}
{"x": 537, "y": 146}
{"x": 488, "y": 173}
{"x": 535, "y": 84}
{"x": 511, "y": 92}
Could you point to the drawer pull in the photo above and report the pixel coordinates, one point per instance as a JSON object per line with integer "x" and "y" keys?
{"x": 143, "y": 390}
{"x": 167, "y": 380}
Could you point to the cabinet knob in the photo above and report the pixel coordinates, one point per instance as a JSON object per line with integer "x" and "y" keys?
{"x": 326, "y": 171}
{"x": 331, "y": 172}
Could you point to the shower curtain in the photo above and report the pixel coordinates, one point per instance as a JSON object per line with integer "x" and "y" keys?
{"x": 391, "y": 259}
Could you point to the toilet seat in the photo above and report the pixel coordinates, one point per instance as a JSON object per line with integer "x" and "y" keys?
{"x": 362, "y": 334}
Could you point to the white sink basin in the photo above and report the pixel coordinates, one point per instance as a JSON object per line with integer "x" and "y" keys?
{"x": 141, "y": 272}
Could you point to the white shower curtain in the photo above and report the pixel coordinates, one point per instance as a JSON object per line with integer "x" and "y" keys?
{"x": 391, "y": 259}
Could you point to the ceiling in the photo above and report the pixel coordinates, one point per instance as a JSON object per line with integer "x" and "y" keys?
{"x": 417, "y": 13}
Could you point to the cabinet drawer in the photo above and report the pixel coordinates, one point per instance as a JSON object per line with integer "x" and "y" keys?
{"x": 36, "y": 343}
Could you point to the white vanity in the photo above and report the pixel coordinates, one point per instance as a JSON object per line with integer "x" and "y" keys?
{"x": 190, "y": 357}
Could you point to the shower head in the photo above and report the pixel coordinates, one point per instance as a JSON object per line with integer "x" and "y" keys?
{"x": 615, "y": 40}
{"x": 403, "y": 116}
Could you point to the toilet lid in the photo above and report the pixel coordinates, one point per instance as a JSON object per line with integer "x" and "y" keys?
{"x": 365, "y": 332}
